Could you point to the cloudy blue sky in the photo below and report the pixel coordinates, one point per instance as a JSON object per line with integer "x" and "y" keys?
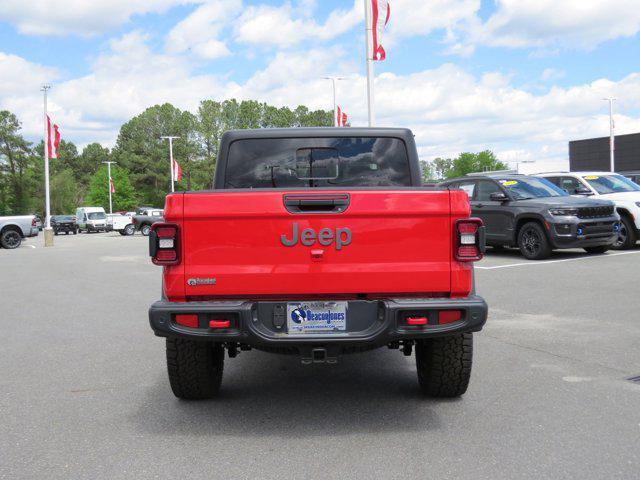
{"x": 520, "y": 77}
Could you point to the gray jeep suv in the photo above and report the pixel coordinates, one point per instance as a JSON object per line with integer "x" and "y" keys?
{"x": 536, "y": 216}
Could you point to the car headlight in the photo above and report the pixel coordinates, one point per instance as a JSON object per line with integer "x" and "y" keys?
{"x": 564, "y": 212}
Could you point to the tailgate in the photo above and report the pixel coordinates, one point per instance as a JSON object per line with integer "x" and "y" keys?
{"x": 373, "y": 242}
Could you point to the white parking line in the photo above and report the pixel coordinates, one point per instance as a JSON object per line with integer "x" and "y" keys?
{"x": 524, "y": 264}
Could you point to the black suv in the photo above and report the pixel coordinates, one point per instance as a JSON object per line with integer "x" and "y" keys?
{"x": 64, "y": 223}
{"x": 536, "y": 216}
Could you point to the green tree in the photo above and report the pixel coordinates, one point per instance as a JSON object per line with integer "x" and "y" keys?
{"x": 17, "y": 164}
{"x": 89, "y": 161}
{"x": 64, "y": 193}
{"x": 468, "y": 163}
{"x": 141, "y": 150}
{"x": 124, "y": 197}
{"x": 427, "y": 171}
{"x": 442, "y": 166}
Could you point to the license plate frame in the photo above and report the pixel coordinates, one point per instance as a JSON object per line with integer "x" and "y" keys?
{"x": 316, "y": 317}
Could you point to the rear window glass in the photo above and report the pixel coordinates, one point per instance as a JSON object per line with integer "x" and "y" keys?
{"x": 317, "y": 162}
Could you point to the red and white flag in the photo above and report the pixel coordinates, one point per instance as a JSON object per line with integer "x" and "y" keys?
{"x": 53, "y": 139}
{"x": 380, "y": 13}
{"x": 112, "y": 187}
{"x": 177, "y": 171}
{"x": 341, "y": 120}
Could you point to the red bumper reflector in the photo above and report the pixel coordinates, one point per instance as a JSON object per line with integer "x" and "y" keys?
{"x": 219, "y": 324}
{"x": 414, "y": 321}
{"x": 449, "y": 316}
{"x": 187, "y": 320}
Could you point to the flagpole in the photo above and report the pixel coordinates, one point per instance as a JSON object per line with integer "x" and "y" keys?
{"x": 109, "y": 182}
{"x": 336, "y": 120}
{"x": 48, "y": 232}
{"x": 335, "y": 105}
{"x": 170, "y": 138}
{"x": 368, "y": 34}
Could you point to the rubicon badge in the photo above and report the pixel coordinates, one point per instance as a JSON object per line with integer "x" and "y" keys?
{"x": 192, "y": 282}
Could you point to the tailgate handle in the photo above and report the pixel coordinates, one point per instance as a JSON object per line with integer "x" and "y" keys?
{"x": 336, "y": 203}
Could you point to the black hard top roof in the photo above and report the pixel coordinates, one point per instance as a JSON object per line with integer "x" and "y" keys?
{"x": 232, "y": 135}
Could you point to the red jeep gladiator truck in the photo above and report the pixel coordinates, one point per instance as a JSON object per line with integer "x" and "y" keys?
{"x": 317, "y": 243}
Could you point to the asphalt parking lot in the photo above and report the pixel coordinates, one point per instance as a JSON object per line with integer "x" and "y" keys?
{"x": 84, "y": 391}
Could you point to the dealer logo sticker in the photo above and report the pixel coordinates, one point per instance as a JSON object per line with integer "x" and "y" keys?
{"x": 298, "y": 315}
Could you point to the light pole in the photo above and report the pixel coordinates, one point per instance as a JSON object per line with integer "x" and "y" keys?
{"x": 48, "y": 232}
{"x": 109, "y": 182}
{"x": 519, "y": 162}
{"x": 171, "y": 139}
{"x": 612, "y": 137}
{"x": 335, "y": 104}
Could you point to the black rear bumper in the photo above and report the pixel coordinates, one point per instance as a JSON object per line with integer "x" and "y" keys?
{"x": 376, "y": 323}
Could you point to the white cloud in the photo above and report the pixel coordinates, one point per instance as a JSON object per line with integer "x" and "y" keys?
{"x": 420, "y": 17}
{"x": 19, "y": 76}
{"x": 551, "y": 23}
{"x": 285, "y": 26}
{"x": 83, "y": 17}
{"x": 199, "y": 32}
{"x": 121, "y": 84}
{"x": 449, "y": 109}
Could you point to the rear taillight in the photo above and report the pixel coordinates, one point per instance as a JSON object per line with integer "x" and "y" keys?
{"x": 470, "y": 241}
{"x": 164, "y": 244}
{"x": 33, "y": 222}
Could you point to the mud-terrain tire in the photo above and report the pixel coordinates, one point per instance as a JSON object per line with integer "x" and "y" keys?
{"x": 195, "y": 368}
{"x": 444, "y": 365}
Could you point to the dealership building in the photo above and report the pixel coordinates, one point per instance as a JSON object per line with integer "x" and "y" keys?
{"x": 593, "y": 154}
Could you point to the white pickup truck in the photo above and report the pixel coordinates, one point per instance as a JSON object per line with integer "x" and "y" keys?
{"x": 121, "y": 223}
{"x": 14, "y": 229}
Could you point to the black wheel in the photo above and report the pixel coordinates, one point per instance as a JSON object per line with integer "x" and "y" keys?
{"x": 75, "y": 231}
{"x": 597, "y": 250}
{"x": 10, "y": 239}
{"x": 55, "y": 232}
{"x": 122, "y": 232}
{"x": 195, "y": 368}
{"x": 444, "y": 365}
{"x": 130, "y": 229}
{"x": 533, "y": 242}
{"x": 145, "y": 229}
{"x": 626, "y": 235}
